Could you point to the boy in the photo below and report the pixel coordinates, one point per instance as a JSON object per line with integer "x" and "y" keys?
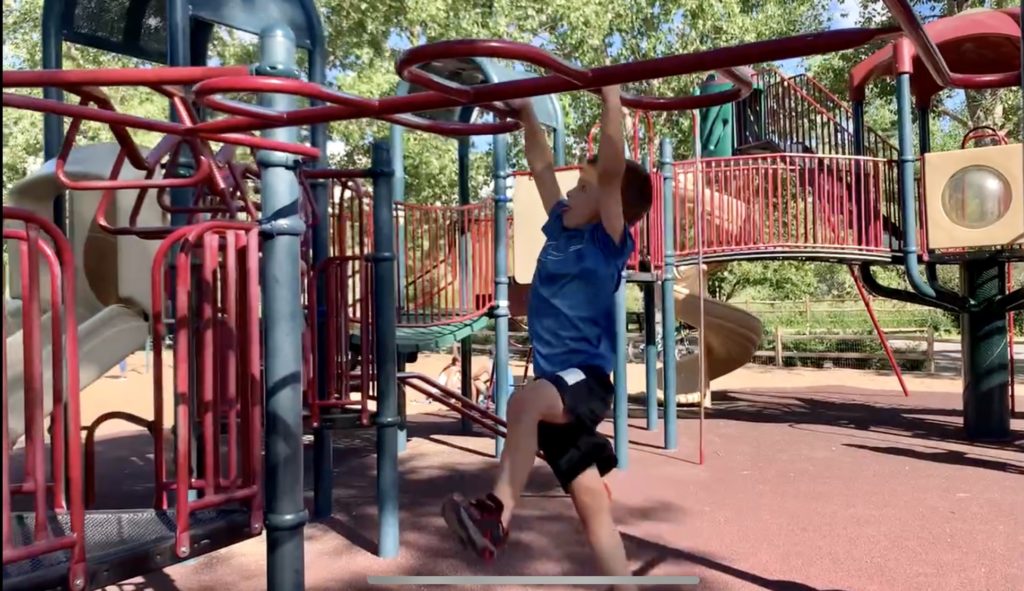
{"x": 572, "y": 330}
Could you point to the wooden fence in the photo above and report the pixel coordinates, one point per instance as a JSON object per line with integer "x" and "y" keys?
{"x": 784, "y": 345}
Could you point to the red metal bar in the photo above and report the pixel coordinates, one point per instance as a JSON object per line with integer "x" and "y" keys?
{"x": 903, "y": 12}
{"x": 177, "y": 76}
{"x": 1012, "y": 333}
{"x": 90, "y": 448}
{"x": 44, "y": 543}
{"x": 57, "y": 369}
{"x": 6, "y": 467}
{"x": 207, "y": 379}
{"x": 882, "y": 337}
{"x": 350, "y": 107}
{"x": 35, "y": 468}
{"x": 41, "y": 105}
{"x": 182, "y": 420}
{"x": 228, "y": 346}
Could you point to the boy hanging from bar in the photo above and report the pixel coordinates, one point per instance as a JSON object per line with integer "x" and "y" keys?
{"x": 573, "y": 334}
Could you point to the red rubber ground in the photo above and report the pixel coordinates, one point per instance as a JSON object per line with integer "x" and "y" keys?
{"x": 814, "y": 488}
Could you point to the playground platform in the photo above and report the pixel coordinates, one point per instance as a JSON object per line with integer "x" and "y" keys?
{"x": 806, "y": 486}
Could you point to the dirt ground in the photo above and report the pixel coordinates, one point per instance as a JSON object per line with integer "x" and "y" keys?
{"x": 813, "y": 480}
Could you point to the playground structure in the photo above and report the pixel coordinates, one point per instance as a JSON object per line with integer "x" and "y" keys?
{"x": 381, "y": 280}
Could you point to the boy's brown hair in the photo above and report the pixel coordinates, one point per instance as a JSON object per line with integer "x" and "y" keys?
{"x": 637, "y": 192}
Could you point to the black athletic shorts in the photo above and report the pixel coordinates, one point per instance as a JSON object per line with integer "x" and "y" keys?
{"x": 573, "y": 447}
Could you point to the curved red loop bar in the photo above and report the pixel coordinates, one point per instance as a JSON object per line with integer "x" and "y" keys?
{"x": 624, "y": 73}
{"x": 409, "y": 65}
{"x": 452, "y": 128}
{"x": 743, "y": 85}
{"x": 202, "y": 171}
{"x": 493, "y": 48}
{"x": 206, "y": 92}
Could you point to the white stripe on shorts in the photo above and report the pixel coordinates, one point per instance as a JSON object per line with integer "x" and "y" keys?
{"x": 571, "y": 375}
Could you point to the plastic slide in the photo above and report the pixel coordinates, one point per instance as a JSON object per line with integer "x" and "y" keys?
{"x": 731, "y": 336}
{"x": 111, "y": 273}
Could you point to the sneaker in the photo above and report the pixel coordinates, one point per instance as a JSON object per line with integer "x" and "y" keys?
{"x": 476, "y": 523}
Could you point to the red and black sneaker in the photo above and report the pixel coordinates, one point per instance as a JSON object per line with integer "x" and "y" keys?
{"x": 477, "y": 523}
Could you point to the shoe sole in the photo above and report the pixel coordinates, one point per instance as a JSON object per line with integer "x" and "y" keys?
{"x": 460, "y": 523}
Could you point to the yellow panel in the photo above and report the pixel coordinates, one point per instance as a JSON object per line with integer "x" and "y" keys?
{"x": 528, "y": 216}
{"x": 943, "y": 232}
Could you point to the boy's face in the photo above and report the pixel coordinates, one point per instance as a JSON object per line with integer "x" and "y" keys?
{"x": 584, "y": 206}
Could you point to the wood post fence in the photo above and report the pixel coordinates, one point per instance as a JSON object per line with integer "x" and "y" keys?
{"x": 780, "y": 352}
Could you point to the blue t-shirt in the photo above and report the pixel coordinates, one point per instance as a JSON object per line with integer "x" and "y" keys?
{"x": 572, "y": 299}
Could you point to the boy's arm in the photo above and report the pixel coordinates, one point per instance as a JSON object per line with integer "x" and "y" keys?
{"x": 611, "y": 163}
{"x": 538, "y": 155}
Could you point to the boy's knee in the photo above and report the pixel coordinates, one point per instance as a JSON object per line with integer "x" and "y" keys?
{"x": 590, "y": 496}
{"x": 538, "y": 401}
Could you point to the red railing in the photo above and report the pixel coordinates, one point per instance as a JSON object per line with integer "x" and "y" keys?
{"x": 37, "y": 238}
{"x": 800, "y": 115}
{"x": 217, "y": 341}
{"x": 447, "y": 261}
{"x": 777, "y": 205}
{"x": 346, "y": 280}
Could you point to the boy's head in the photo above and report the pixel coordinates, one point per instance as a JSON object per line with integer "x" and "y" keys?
{"x": 584, "y": 204}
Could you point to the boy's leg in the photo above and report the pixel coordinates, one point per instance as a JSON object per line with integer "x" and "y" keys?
{"x": 594, "y": 507}
{"x": 482, "y": 523}
{"x": 537, "y": 402}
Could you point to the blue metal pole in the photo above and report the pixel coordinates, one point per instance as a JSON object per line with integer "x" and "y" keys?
{"x": 465, "y": 279}
{"x": 858, "y": 128}
{"x": 907, "y": 187}
{"x": 621, "y": 405}
{"x": 558, "y": 142}
{"x": 388, "y": 419}
{"x": 651, "y": 354}
{"x": 668, "y": 310}
{"x": 501, "y": 312}
{"x": 53, "y": 125}
{"x": 651, "y": 326}
{"x": 282, "y": 229}
{"x": 323, "y": 448}
{"x": 396, "y": 142}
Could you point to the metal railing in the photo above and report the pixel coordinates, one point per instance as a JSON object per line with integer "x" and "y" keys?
{"x": 217, "y": 343}
{"x": 779, "y": 205}
{"x": 40, "y": 241}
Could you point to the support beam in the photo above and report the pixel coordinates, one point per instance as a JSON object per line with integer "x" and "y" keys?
{"x": 282, "y": 229}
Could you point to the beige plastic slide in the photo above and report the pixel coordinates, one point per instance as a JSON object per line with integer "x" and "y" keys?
{"x": 111, "y": 273}
{"x": 731, "y": 337}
